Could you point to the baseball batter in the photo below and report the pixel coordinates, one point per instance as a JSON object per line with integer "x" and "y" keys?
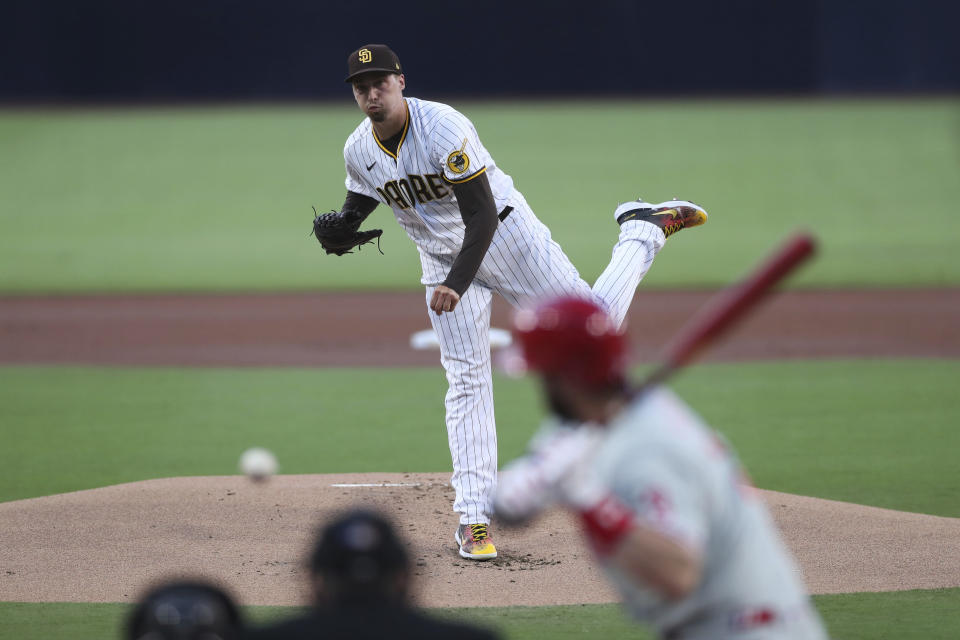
{"x": 476, "y": 235}
{"x": 662, "y": 499}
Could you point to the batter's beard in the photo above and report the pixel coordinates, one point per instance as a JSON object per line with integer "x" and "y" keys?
{"x": 378, "y": 116}
{"x": 559, "y": 405}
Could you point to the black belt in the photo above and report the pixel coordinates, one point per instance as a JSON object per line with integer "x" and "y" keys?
{"x": 503, "y": 214}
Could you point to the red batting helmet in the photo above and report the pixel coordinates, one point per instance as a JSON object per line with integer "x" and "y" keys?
{"x": 573, "y": 338}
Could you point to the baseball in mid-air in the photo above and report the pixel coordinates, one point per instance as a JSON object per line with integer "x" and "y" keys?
{"x": 258, "y": 463}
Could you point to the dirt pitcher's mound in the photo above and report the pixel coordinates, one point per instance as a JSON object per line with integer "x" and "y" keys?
{"x": 108, "y": 544}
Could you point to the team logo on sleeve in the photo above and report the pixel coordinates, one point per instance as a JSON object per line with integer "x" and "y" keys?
{"x": 459, "y": 161}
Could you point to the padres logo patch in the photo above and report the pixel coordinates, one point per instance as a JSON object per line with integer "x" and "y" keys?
{"x": 459, "y": 161}
{"x": 365, "y": 55}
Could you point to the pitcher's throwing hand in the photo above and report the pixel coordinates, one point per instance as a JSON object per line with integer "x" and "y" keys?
{"x": 444, "y": 299}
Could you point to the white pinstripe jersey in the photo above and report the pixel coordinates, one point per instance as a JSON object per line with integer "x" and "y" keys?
{"x": 439, "y": 147}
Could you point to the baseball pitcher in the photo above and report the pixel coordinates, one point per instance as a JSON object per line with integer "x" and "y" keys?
{"x": 476, "y": 235}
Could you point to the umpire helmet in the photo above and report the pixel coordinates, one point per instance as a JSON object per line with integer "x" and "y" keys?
{"x": 359, "y": 555}
{"x": 187, "y": 610}
{"x": 572, "y": 338}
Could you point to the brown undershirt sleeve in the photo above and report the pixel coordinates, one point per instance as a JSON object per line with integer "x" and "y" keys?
{"x": 360, "y": 204}
{"x": 479, "y": 213}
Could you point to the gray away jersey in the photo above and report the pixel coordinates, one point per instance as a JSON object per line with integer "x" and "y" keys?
{"x": 681, "y": 479}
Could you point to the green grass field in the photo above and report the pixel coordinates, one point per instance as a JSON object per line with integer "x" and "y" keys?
{"x": 219, "y": 198}
{"x": 121, "y": 425}
{"x": 214, "y": 199}
{"x": 917, "y": 615}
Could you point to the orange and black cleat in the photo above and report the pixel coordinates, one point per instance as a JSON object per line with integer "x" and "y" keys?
{"x": 670, "y": 216}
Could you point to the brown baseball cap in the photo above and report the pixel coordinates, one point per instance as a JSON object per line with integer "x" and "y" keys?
{"x": 372, "y": 57}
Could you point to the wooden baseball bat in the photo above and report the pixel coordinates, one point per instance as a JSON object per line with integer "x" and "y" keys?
{"x": 730, "y": 306}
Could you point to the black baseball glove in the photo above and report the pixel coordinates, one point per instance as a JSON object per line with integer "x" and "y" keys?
{"x": 339, "y": 231}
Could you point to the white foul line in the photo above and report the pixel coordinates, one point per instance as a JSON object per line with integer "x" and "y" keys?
{"x": 377, "y": 484}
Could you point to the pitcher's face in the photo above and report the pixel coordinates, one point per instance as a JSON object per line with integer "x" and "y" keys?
{"x": 379, "y": 94}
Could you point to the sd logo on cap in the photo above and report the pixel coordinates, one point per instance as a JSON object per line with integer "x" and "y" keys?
{"x": 372, "y": 57}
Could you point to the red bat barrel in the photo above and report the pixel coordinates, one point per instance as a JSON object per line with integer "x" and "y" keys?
{"x": 731, "y": 305}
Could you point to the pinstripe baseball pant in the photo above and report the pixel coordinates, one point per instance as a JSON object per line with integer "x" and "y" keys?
{"x": 524, "y": 265}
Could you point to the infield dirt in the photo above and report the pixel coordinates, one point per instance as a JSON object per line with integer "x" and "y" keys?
{"x": 373, "y": 329}
{"x": 107, "y": 544}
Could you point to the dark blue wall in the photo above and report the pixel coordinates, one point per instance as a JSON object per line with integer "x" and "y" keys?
{"x": 291, "y": 49}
